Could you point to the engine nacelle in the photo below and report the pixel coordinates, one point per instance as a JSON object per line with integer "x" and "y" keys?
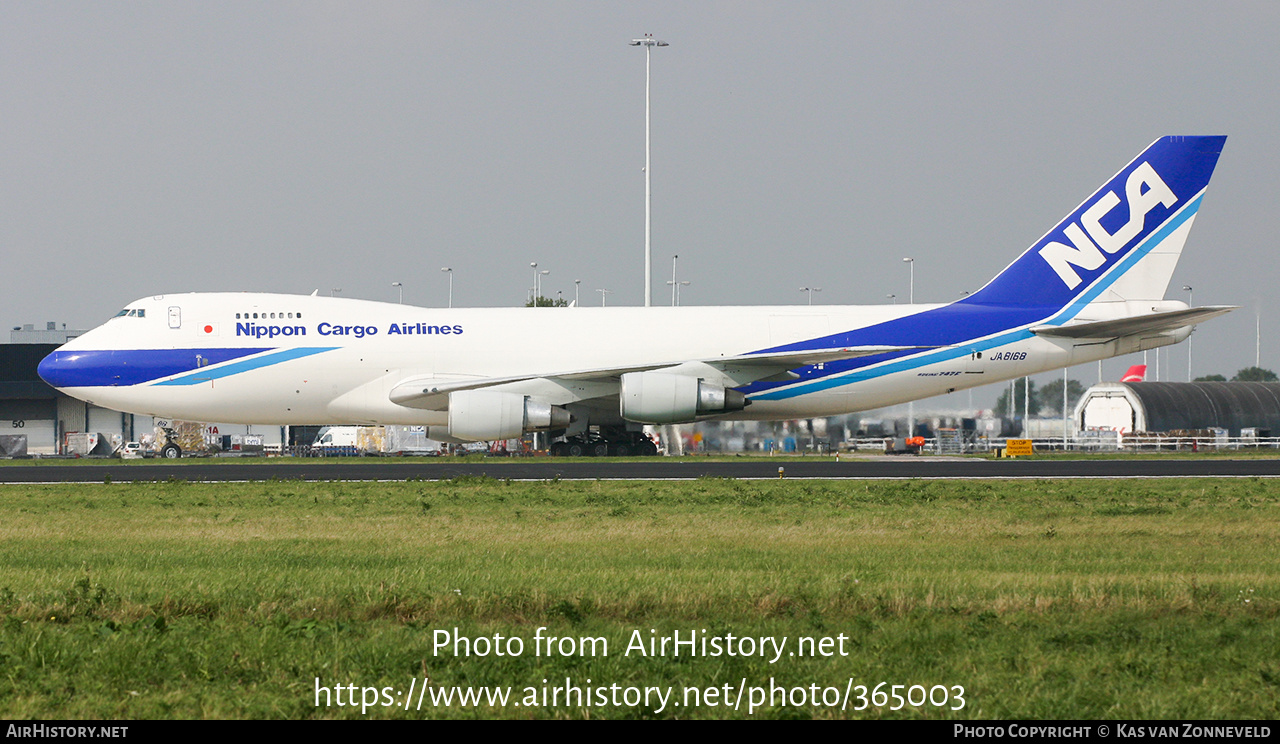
{"x": 484, "y": 415}
{"x": 441, "y": 434}
{"x": 658, "y": 398}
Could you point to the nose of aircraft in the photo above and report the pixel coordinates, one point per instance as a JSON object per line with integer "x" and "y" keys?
{"x": 80, "y": 368}
{"x": 66, "y": 369}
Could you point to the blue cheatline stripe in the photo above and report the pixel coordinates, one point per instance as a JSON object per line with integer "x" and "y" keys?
{"x": 206, "y": 374}
{"x": 840, "y": 379}
{"x": 124, "y": 367}
{"x": 934, "y": 357}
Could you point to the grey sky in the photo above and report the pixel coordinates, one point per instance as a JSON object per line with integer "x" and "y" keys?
{"x": 167, "y": 147}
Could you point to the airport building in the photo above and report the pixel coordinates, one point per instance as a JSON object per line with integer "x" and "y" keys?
{"x": 1160, "y": 407}
{"x": 37, "y": 420}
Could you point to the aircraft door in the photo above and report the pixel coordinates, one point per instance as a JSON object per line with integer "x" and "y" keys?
{"x": 175, "y": 317}
{"x": 973, "y": 365}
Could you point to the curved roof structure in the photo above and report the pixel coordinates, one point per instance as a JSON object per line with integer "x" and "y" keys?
{"x": 1169, "y": 406}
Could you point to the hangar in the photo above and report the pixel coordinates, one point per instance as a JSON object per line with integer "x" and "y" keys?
{"x": 28, "y": 406}
{"x": 1131, "y": 407}
{"x": 36, "y": 420}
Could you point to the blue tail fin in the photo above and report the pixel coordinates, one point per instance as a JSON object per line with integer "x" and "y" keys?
{"x": 1123, "y": 242}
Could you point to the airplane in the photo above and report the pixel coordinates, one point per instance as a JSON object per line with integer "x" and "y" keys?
{"x": 1090, "y": 288}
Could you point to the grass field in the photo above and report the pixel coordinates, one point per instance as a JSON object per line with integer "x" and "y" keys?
{"x": 1042, "y": 599}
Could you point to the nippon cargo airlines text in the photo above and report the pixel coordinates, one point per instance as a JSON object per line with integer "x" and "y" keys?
{"x": 358, "y": 331}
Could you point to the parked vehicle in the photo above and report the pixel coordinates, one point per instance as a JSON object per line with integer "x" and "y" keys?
{"x": 132, "y": 451}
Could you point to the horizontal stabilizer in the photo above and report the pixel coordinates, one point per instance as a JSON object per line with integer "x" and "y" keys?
{"x": 1153, "y": 323}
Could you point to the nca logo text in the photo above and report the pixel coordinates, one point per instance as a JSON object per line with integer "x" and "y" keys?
{"x": 1143, "y": 190}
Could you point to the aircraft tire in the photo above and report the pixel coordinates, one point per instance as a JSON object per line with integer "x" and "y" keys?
{"x": 171, "y": 452}
{"x": 575, "y": 450}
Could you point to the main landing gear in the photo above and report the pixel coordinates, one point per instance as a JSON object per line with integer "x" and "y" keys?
{"x": 609, "y": 443}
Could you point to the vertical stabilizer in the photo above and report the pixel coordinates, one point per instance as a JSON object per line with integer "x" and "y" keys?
{"x": 1123, "y": 242}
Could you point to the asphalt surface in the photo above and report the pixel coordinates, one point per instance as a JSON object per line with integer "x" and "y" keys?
{"x": 372, "y": 469}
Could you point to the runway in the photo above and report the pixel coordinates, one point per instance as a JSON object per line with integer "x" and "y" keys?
{"x": 361, "y": 469}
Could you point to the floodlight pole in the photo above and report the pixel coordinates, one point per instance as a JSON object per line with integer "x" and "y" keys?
{"x": 1190, "y": 303}
{"x": 673, "y": 279}
{"x": 648, "y": 42}
{"x": 911, "y": 295}
{"x": 1064, "y": 409}
{"x": 910, "y": 300}
{"x": 1026, "y": 407}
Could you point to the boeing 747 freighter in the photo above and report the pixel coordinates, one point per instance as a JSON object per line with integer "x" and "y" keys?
{"x": 1091, "y": 288}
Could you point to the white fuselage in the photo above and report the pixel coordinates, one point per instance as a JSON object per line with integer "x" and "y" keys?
{"x": 359, "y": 351}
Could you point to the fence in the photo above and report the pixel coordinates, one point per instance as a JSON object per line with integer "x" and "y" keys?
{"x": 1146, "y": 443}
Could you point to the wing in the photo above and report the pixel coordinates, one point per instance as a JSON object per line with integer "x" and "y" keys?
{"x": 559, "y": 388}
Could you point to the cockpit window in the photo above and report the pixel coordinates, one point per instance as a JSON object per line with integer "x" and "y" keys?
{"x": 132, "y": 313}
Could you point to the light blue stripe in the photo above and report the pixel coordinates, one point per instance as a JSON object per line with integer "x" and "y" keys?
{"x": 924, "y": 360}
{"x": 216, "y": 373}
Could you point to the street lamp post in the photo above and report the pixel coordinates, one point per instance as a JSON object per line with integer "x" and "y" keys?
{"x": 911, "y": 296}
{"x": 604, "y": 292}
{"x": 673, "y": 279}
{"x": 537, "y": 287}
{"x": 399, "y": 291}
{"x": 811, "y": 290}
{"x": 1190, "y": 303}
{"x": 911, "y": 300}
{"x": 576, "y": 284}
{"x": 648, "y": 42}
{"x": 449, "y": 271}
{"x": 893, "y": 297}
{"x": 334, "y": 292}
{"x": 675, "y": 291}
{"x": 533, "y": 292}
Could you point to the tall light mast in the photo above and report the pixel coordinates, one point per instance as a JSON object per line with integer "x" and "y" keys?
{"x": 648, "y": 42}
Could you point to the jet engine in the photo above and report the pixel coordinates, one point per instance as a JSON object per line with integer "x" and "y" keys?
{"x": 658, "y": 398}
{"x": 482, "y": 415}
